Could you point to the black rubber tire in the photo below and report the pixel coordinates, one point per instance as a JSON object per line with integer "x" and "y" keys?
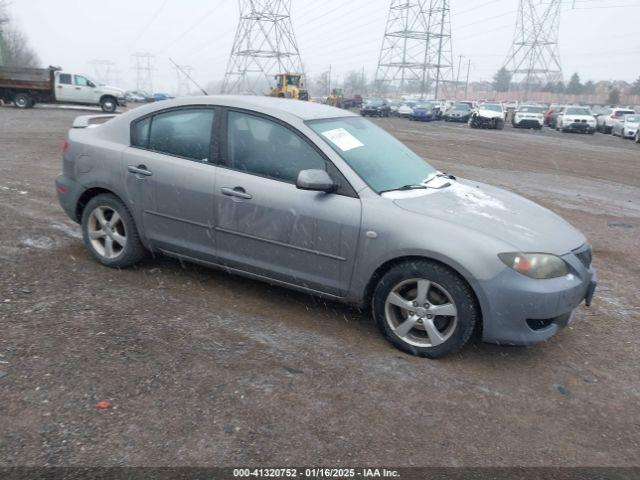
{"x": 462, "y": 294}
{"x": 134, "y": 251}
{"x": 109, "y": 104}
{"x": 499, "y": 124}
{"x": 22, "y": 100}
{"x": 637, "y": 139}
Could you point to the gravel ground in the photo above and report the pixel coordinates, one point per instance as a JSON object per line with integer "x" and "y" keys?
{"x": 204, "y": 368}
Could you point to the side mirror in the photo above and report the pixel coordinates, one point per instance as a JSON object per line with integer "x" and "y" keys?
{"x": 315, "y": 180}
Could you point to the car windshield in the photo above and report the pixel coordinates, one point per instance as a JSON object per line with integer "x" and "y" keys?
{"x": 383, "y": 162}
{"x": 531, "y": 109}
{"x": 492, "y": 106}
{"x": 424, "y": 106}
{"x": 375, "y": 103}
{"x": 461, "y": 107}
{"x": 578, "y": 111}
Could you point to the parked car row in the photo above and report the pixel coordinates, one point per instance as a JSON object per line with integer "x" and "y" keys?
{"x": 619, "y": 121}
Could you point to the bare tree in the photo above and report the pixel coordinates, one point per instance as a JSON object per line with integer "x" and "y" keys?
{"x": 15, "y": 50}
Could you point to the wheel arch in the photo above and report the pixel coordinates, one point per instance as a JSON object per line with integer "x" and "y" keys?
{"x": 456, "y": 269}
{"x": 108, "y": 95}
{"x": 87, "y": 196}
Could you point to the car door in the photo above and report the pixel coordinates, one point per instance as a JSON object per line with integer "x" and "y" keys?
{"x": 267, "y": 226}
{"x": 170, "y": 177}
{"x": 64, "y": 87}
{"x": 84, "y": 90}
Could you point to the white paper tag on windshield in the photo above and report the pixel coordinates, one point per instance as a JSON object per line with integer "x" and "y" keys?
{"x": 343, "y": 139}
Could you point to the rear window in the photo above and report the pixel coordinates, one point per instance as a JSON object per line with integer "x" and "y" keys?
{"x": 619, "y": 113}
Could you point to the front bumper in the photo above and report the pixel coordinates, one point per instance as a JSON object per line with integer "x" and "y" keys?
{"x": 528, "y": 123}
{"x": 69, "y": 193}
{"x": 579, "y": 127}
{"x": 628, "y": 133}
{"x": 523, "y": 311}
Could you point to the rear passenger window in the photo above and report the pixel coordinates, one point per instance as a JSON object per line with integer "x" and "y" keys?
{"x": 141, "y": 133}
{"x": 64, "y": 79}
{"x": 185, "y": 133}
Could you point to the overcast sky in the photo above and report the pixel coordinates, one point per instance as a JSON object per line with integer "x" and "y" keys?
{"x": 600, "y": 39}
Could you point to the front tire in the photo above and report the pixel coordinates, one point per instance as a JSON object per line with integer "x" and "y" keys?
{"x": 425, "y": 309}
{"x": 108, "y": 104}
{"x": 110, "y": 233}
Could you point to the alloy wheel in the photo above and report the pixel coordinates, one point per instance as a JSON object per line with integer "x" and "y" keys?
{"x": 422, "y": 313}
{"x": 107, "y": 233}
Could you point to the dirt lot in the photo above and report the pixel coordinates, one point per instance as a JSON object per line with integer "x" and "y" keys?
{"x": 204, "y": 368}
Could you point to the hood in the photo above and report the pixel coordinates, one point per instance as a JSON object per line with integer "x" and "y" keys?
{"x": 510, "y": 218}
{"x": 490, "y": 113}
{"x": 110, "y": 89}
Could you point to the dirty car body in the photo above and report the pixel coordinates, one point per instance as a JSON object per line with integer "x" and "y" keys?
{"x": 296, "y": 194}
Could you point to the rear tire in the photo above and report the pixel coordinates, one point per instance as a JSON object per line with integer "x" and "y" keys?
{"x": 419, "y": 329}
{"x": 110, "y": 233}
{"x": 22, "y": 100}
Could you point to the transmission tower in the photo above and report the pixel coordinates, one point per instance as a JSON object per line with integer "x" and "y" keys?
{"x": 144, "y": 71}
{"x": 534, "y": 59}
{"x": 105, "y": 71}
{"x": 264, "y": 46}
{"x": 416, "y": 50}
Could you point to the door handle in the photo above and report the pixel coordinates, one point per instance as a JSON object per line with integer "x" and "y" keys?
{"x": 139, "y": 170}
{"x": 78, "y": 88}
{"x": 237, "y": 192}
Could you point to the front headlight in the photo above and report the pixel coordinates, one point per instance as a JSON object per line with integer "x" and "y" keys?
{"x": 536, "y": 265}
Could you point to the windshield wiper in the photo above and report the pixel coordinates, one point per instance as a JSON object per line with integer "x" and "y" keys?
{"x": 405, "y": 188}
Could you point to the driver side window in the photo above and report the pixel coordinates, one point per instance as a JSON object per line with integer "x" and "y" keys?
{"x": 262, "y": 147}
{"x": 81, "y": 81}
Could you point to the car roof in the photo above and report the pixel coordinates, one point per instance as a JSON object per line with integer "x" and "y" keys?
{"x": 277, "y": 107}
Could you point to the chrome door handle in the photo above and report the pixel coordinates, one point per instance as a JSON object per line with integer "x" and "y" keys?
{"x": 139, "y": 170}
{"x": 237, "y": 192}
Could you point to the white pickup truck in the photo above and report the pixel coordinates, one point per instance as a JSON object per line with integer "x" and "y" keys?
{"x": 24, "y": 87}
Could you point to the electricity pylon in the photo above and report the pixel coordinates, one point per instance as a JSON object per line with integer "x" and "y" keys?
{"x": 105, "y": 71}
{"x": 416, "y": 49}
{"x": 144, "y": 72}
{"x": 534, "y": 59}
{"x": 264, "y": 45}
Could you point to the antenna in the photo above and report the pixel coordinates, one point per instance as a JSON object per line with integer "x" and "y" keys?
{"x": 264, "y": 46}
{"x": 534, "y": 58}
{"x": 182, "y": 82}
{"x": 416, "y": 48}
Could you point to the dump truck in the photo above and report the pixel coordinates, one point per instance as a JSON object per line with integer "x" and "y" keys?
{"x": 24, "y": 87}
{"x": 290, "y": 85}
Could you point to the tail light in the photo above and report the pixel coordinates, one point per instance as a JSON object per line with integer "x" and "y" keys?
{"x": 65, "y": 146}
{"x": 614, "y": 116}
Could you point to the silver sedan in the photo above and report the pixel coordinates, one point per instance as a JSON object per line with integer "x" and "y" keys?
{"x": 318, "y": 199}
{"x": 627, "y": 126}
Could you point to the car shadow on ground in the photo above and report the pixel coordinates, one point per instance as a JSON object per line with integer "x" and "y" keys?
{"x": 303, "y": 310}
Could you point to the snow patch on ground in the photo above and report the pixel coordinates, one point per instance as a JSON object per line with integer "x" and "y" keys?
{"x": 40, "y": 243}
{"x": 67, "y": 230}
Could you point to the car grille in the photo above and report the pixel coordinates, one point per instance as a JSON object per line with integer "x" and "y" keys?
{"x": 585, "y": 255}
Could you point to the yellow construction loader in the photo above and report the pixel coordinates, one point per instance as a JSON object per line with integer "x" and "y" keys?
{"x": 290, "y": 85}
